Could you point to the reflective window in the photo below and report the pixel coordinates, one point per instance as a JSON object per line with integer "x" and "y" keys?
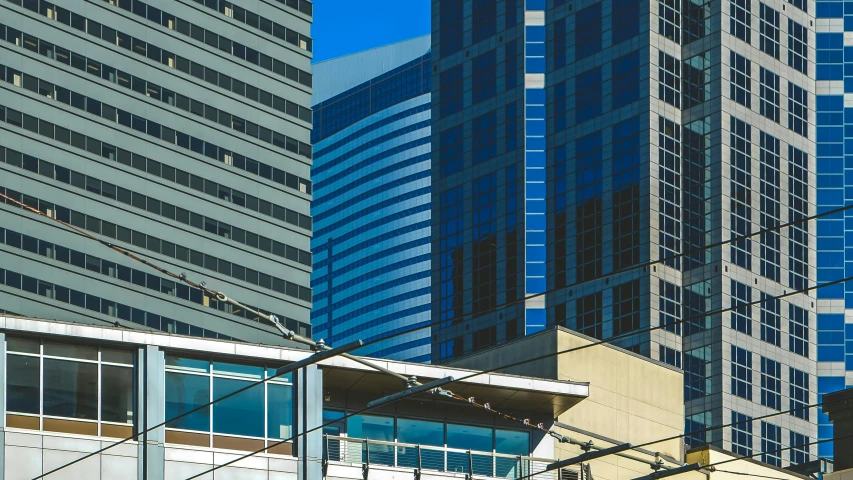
{"x": 740, "y": 15}
{"x": 587, "y": 31}
{"x": 84, "y": 390}
{"x": 769, "y": 30}
{"x": 798, "y": 46}
{"x": 264, "y": 410}
{"x": 741, "y": 434}
{"x": 741, "y": 372}
{"x": 771, "y": 444}
{"x": 740, "y": 80}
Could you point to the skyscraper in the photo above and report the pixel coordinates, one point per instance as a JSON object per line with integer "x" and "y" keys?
{"x": 181, "y": 133}
{"x": 576, "y": 141}
{"x": 372, "y": 199}
{"x": 835, "y": 323}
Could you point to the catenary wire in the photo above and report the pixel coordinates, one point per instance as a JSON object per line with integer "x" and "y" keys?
{"x": 221, "y": 296}
{"x": 553, "y": 354}
{"x": 581, "y": 347}
{"x": 216, "y": 294}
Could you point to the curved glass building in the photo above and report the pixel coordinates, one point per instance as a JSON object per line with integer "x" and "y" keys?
{"x": 371, "y": 203}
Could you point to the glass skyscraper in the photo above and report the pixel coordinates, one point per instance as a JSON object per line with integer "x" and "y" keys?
{"x": 834, "y": 81}
{"x": 180, "y": 131}
{"x": 371, "y": 204}
{"x": 575, "y": 141}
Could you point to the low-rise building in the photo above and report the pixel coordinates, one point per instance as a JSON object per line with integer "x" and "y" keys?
{"x": 70, "y": 389}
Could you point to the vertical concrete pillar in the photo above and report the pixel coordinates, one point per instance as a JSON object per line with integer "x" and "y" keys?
{"x": 2, "y": 406}
{"x": 151, "y": 410}
{"x": 309, "y": 414}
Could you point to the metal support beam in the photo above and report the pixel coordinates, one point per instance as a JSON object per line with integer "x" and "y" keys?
{"x": 409, "y": 392}
{"x": 672, "y": 471}
{"x": 585, "y": 457}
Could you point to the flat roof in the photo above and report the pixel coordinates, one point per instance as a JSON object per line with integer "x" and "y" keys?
{"x": 532, "y": 394}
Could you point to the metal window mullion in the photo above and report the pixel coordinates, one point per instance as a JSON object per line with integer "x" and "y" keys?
{"x": 210, "y": 415}
{"x": 100, "y": 390}
{"x": 41, "y": 386}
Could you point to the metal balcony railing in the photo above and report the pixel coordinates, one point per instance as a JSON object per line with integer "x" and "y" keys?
{"x": 424, "y": 457}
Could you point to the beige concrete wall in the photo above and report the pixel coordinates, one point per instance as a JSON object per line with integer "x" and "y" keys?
{"x": 842, "y": 475}
{"x": 632, "y": 399}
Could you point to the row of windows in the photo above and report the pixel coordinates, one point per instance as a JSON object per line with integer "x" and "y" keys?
{"x": 798, "y": 208}
{"x": 108, "y": 112}
{"x": 771, "y": 441}
{"x": 212, "y": 39}
{"x": 111, "y": 152}
{"x": 140, "y": 239}
{"x": 158, "y": 55}
{"x": 141, "y": 124}
{"x": 771, "y": 382}
{"x": 132, "y": 275}
{"x": 102, "y": 305}
{"x": 768, "y": 28}
{"x": 149, "y": 204}
{"x": 251, "y": 19}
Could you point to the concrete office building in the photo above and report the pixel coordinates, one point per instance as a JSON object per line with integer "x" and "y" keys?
{"x": 180, "y": 130}
{"x": 835, "y": 244}
{"x": 71, "y": 389}
{"x": 371, "y": 203}
{"x": 574, "y": 141}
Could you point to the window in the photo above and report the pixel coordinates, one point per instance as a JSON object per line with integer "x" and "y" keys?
{"x": 741, "y": 80}
{"x": 770, "y": 319}
{"x": 697, "y": 373}
{"x": 697, "y": 79}
{"x": 769, "y": 30}
{"x": 697, "y": 429}
{"x": 798, "y": 109}
{"x": 741, "y": 372}
{"x": 71, "y": 387}
{"x": 626, "y": 20}
{"x": 669, "y": 199}
{"x": 560, "y": 41}
{"x": 626, "y": 80}
{"x": 798, "y": 330}
{"x": 799, "y": 448}
{"x": 798, "y": 51}
{"x": 669, "y": 79}
{"x": 798, "y": 393}
{"x": 626, "y": 193}
{"x": 770, "y": 241}
{"x": 798, "y": 208}
{"x": 670, "y": 307}
{"x": 511, "y": 65}
{"x": 740, "y": 14}
{"x": 484, "y": 138}
{"x": 588, "y": 197}
{"x": 589, "y": 315}
{"x": 626, "y": 307}
{"x": 483, "y": 78}
{"x": 588, "y": 31}
{"x": 669, "y": 20}
{"x": 451, "y": 142}
{"x": 483, "y": 19}
{"x": 771, "y": 383}
{"x": 801, "y": 4}
{"x": 588, "y": 95}
{"x": 451, "y": 25}
{"x": 741, "y": 317}
{"x": 741, "y": 434}
{"x": 771, "y": 443}
{"x": 191, "y": 383}
{"x": 670, "y": 356}
{"x": 450, "y": 82}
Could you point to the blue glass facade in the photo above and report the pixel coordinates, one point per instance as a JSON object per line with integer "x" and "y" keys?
{"x": 371, "y": 207}
{"x": 651, "y": 131}
{"x": 835, "y": 178}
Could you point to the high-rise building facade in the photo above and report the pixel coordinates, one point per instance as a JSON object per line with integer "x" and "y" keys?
{"x": 178, "y": 130}
{"x": 574, "y": 142}
{"x": 371, "y": 204}
{"x": 835, "y": 235}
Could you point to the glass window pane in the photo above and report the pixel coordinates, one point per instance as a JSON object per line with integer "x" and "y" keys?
{"x": 248, "y": 371}
{"x": 117, "y": 356}
{"x": 469, "y": 438}
{"x": 71, "y": 351}
{"x": 374, "y": 428}
{"x": 22, "y": 380}
{"x": 512, "y": 442}
{"x": 22, "y": 345}
{"x": 242, "y": 414}
{"x": 419, "y": 432}
{"x": 117, "y": 394}
{"x": 280, "y": 403}
{"x": 189, "y": 364}
{"x": 70, "y": 389}
{"x": 184, "y": 393}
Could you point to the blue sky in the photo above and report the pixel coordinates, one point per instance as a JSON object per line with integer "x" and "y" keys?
{"x": 342, "y": 27}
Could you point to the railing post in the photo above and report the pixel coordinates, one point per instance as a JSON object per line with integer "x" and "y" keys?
{"x": 325, "y": 455}
{"x": 419, "y": 465}
{"x": 470, "y": 465}
{"x": 365, "y": 468}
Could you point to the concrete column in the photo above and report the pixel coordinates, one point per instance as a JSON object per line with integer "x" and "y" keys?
{"x": 2, "y": 406}
{"x": 308, "y": 389}
{"x": 151, "y": 410}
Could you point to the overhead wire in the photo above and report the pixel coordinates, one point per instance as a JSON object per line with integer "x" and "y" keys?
{"x": 216, "y": 294}
{"x": 553, "y": 354}
{"x": 272, "y": 318}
